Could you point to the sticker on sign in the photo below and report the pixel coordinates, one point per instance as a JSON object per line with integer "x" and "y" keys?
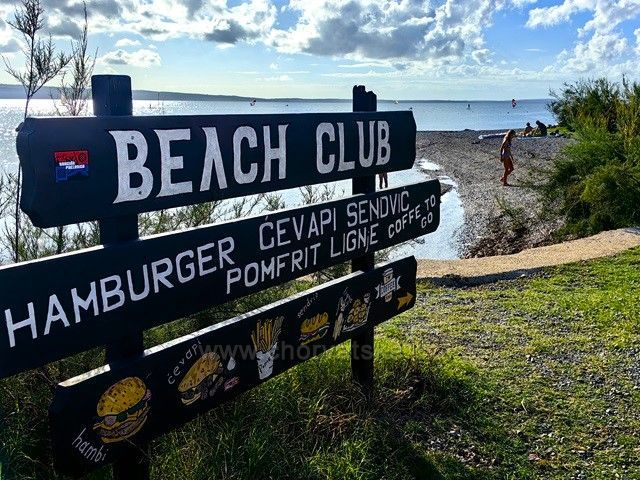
{"x": 71, "y": 164}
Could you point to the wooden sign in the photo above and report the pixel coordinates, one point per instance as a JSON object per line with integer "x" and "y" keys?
{"x": 77, "y": 301}
{"x": 82, "y": 169}
{"x": 96, "y": 415}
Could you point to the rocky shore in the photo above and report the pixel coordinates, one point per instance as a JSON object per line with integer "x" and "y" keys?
{"x": 498, "y": 220}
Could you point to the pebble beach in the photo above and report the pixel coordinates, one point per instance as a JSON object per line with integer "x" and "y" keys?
{"x": 475, "y": 166}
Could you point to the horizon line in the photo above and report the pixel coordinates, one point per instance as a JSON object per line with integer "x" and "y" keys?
{"x": 278, "y": 99}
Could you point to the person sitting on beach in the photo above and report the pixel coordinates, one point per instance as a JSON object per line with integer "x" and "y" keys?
{"x": 506, "y": 157}
{"x": 527, "y": 130}
{"x": 541, "y": 130}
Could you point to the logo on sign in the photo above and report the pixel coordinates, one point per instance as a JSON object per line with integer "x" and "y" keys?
{"x": 389, "y": 285}
{"x": 70, "y": 164}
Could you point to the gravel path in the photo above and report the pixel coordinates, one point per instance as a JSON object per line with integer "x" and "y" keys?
{"x": 479, "y": 270}
{"x": 474, "y": 164}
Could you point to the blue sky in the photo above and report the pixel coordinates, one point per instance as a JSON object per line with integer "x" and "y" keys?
{"x": 402, "y": 49}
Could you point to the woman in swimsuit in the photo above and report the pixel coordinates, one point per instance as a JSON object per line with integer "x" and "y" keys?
{"x": 506, "y": 157}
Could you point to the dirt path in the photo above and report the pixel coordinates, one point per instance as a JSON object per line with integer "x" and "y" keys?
{"x": 486, "y": 269}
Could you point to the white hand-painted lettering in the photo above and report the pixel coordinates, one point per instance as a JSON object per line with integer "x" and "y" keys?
{"x": 168, "y": 163}
{"x": 249, "y": 134}
{"x": 279, "y": 153}
{"x": 30, "y": 322}
{"x": 128, "y": 167}
{"x": 212, "y": 159}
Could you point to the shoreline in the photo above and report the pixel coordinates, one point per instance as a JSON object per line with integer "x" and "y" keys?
{"x": 475, "y": 166}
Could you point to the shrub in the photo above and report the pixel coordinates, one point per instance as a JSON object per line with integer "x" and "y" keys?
{"x": 612, "y": 193}
{"x": 586, "y": 99}
{"x": 595, "y": 183}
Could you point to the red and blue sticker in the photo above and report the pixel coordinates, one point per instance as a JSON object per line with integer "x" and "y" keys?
{"x": 74, "y": 163}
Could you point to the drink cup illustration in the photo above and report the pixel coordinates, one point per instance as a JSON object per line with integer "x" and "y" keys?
{"x": 265, "y": 362}
{"x": 265, "y": 339}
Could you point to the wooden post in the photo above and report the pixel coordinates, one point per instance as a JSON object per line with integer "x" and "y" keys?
{"x": 362, "y": 344}
{"x": 112, "y": 96}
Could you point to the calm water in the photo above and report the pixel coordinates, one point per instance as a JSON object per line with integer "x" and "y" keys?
{"x": 428, "y": 115}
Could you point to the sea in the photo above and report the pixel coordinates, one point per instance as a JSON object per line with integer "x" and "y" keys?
{"x": 429, "y": 115}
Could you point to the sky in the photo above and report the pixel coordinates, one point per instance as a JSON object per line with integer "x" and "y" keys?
{"x": 401, "y": 49}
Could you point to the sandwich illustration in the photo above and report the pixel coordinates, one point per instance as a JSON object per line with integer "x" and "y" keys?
{"x": 123, "y": 410}
{"x": 202, "y": 380}
{"x": 358, "y": 314}
{"x": 314, "y": 328}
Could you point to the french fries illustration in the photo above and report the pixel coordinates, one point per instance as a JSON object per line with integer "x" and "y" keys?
{"x": 265, "y": 339}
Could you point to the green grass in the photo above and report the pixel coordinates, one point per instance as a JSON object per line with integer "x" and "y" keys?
{"x": 536, "y": 378}
{"x": 557, "y": 368}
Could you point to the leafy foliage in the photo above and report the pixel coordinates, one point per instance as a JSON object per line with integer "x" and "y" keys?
{"x": 595, "y": 184}
{"x": 586, "y": 99}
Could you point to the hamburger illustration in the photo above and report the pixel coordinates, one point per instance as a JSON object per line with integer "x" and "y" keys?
{"x": 314, "y": 328}
{"x": 202, "y": 380}
{"x": 123, "y": 410}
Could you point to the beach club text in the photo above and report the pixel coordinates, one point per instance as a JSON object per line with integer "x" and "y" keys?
{"x": 129, "y": 165}
{"x": 136, "y": 180}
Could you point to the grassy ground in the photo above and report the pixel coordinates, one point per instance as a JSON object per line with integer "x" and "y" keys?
{"x": 537, "y": 378}
{"x": 557, "y": 376}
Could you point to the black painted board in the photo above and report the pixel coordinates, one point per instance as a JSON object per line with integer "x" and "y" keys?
{"x": 57, "y": 306}
{"x": 94, "y": 416}
{"x": 91, "y": 168}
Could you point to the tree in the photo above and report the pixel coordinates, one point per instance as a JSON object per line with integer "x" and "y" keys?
{"x": 73, "y": 93}
{"x": 42, "y": 64}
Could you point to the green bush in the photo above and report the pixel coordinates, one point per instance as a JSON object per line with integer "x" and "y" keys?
{"x": 612, "y": 193}
{"x": 595, "y": 183}
{"x": 586, "y": 99}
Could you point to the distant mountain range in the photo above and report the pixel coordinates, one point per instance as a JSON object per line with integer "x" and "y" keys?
{"x": 17, "y": 92}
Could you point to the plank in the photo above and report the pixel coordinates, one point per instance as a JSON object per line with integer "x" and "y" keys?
{"x": 85, "y": 299}
{"x": 79, "y": 169}
{"x": 95, "y": 417}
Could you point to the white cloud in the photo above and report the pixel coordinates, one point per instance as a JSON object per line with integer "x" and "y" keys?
{"x": 395, "y": 39}
{"x": 127, "y": 42}
{"x": 249, "y": 21}
{"x": 601, "y": 47}
{"x": 482, "y": 55}
{"x": 278, "y": 78}
{"x": 548, "y": 16}
{"x": 140, "y": 58}
{"x": 389, "y": 29}
{"x": 367, "y": 65}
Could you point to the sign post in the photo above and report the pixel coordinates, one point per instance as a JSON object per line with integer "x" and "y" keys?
{"x": 112, "y": 97}
{"x": 362, "y": 344}
{"x": 112, "y": 167}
